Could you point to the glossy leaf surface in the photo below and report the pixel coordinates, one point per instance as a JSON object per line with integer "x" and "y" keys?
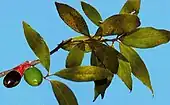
{"x": 106, "y": 59}
{"x": 101, "y": 86}
{"x": 38, "y": 45}
{"x": 124, "y": 73}
{"x": 72, "y": 18}
{"x": 147, "y": 37}
{"x": 75, "y": 56}
{"x": 77, "y": 40}
{"x": 84, "y": 73}
{"x": 104, "y": 56}
{"x": 121, "y": 57}
{"x": 138, "y": 67}
{"x": 91, "y": 13}
{"x": 63, "y": 93}
{"x": 118, "y": 24}
{"x": 131, "y": 7}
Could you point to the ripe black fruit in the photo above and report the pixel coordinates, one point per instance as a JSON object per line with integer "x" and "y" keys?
{"x": 12, "y": 79}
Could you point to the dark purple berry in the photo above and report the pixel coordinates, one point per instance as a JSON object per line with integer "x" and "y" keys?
{"x": 12, "y": 79}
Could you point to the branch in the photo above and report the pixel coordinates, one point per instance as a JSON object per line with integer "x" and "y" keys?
{"x": 5, "y": 73}
{"x": 111, "y": 40}
{"x": 60, "y": 46}
{"x": 35, "y": 62}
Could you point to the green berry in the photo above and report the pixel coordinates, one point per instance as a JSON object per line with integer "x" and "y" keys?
{"x": 33, "y": 76}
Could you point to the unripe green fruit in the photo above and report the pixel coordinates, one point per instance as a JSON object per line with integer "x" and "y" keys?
{"x": 33, "y": 76}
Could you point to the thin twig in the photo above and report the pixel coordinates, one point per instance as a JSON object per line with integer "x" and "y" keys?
{"x": 5, "y": 73}
{"x": 35, "y": 62}
{"x": 60, "y": 46}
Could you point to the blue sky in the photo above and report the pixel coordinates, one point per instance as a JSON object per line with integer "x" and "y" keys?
{"x": 43, "y": 17}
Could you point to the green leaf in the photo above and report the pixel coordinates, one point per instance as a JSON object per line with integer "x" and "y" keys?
{"x": 72, "y": 18}
{"x": 75, "y": 56}
{"x": 165, "y": 32}
{"x": 77, "y": 40}
{"x": 138, "y": 67}
{"x": 96, "y": 61}
{"x": 105, "y": 56}
{"x": 121, "y": 57}
{"x": 124, "y": 73}
{"x": 91, "y": 13}
{"x": 101, "y": 86}
{"x": 118, "y": 24}
{"x": 147, "y": 37}
{"x": 38, "y": 45}
{"x": 131, "y": 7}
{"x": 84, "y": 73}
{"x": 63, "y": 93}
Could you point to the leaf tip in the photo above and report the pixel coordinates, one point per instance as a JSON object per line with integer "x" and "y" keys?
{"x": 102, "y": 95}
{"x": 130, "y": 90}
{"x": 82, "y": 2}
{"x": 152, "y": 91}
{"x": 56, "y": 3}
{"x": 24, "y": 24}
{"x": 95, "y": 97}
{"x": 153, "y": 95}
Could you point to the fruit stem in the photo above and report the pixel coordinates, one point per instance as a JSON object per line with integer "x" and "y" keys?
{"x": 35, "y": 62}
{"x": 5, "y": 73}
{"x": 46, "y": 77}
{"x": 60, "y": 45}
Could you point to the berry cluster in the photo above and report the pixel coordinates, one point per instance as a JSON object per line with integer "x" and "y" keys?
{"x": 32, "y": 75}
